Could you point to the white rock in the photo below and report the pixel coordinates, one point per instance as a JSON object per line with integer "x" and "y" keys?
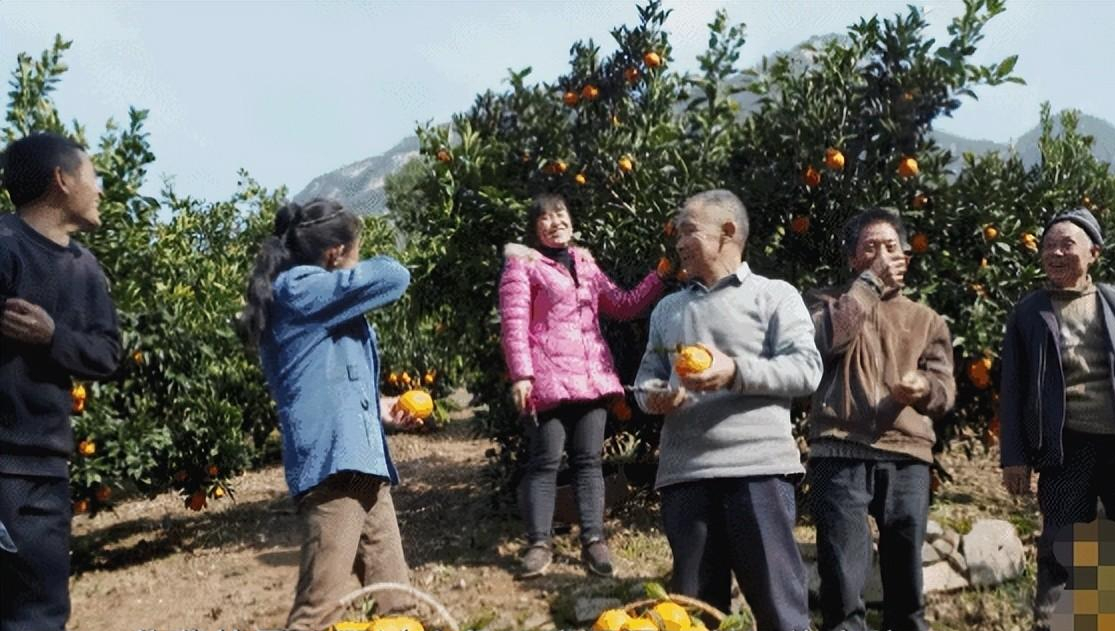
{"x": 993, "y": 552}
{"x": 929, "y": 554}
{"x": 933, "y": 530}
{"x": 943, "y": 547}
{"x": 941, "y": 577}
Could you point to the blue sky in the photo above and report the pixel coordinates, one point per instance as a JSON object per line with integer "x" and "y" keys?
{"x": 290, "y": 90}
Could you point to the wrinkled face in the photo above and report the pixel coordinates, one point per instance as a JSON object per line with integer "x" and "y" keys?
{"x": 554, "y": 227}
{"x": 82, "y": 190}
{"x": 701, "y": 235}
{"x": 1066, "y": 253}
{"x": 875, "y": 240}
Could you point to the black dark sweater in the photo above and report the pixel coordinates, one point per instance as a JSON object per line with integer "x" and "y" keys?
{"x": 36, "y": 437}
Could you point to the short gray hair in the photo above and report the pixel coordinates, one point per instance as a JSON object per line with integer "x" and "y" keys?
{"x": 728, "y": 203}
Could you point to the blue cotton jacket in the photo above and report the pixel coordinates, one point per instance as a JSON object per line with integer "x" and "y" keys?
{"x": 320, "y": 359}
{"x": 1032, "y": 388}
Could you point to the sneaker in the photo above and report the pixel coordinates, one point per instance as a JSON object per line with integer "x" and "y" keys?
{"x": 536, "y": 559}
{"x": 597, "y": 558}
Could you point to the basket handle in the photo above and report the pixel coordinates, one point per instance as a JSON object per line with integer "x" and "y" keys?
{"x": 681, "y": 600}
{"x": 442, "y": 612}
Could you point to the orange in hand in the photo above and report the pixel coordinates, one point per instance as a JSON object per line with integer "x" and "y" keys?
{"x": 692, "y": 360}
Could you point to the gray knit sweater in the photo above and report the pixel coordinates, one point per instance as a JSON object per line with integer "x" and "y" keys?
{"x": 743, "y": 430}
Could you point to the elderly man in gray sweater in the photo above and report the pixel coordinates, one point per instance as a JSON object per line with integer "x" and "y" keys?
{"x": 728, "y": 462}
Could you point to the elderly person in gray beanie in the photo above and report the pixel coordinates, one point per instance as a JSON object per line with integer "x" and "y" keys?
{"x": 1057, "y": 398}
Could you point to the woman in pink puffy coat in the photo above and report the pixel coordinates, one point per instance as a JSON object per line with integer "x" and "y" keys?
{"x": 550, "y": 297}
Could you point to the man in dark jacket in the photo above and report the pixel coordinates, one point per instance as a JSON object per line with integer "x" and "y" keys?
{"x": 888, "y": 373}
{"x": 57, "y": 323}
{"x": 1057, "y": 396}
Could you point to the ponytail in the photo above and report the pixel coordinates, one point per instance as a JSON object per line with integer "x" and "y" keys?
{"x": 300, "y": 236}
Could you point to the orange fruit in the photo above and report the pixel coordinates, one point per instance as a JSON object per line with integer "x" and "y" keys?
{"x": 639, "y": 624}
{"x": 570, "y": 98}
{"x": 611, "y": 620}
{"x": 811, "y": 176}
{"x": 907, "y": 166}
{"x": 621, "y": 410}
{"x": 405, "y": 377}
{"x": 983, "y": 263}
{"x": 196, "y": 501}
{"x": 1030, "y": 241}
{"x": 920, "y": 200}
{"x": 682, "y": 275}
{"x": 77, "y": 393}
{"x": 393, "y": 379}
{"x": 137, "y": 357}
{"x": 674, "y": 617}
{"x": 87, "y": 448}
{"x": 102, "y": 493}
{"x": 834, "y": 159}
{"x": 990, "y": 232}
{"x": 919, "y": 243}
{"x": 78, "y": 406}
{"x": 979, "y": 372}
{"x": 580, "y": 179}
{"x": 625, "y": 164}
{"x": 417, "y": 403}
{"x": 652, "y": 60}
{"x": 692, "y": 360}
{"x": 218, "y": 492}
{"x": 429, "y": 377}
{"x": 800, "y": 224}
{"x": 1085, "y": 201}
{"x": 443, "y": 155}
{"x": 590, "y": 92}
{"x": 554, "y": 166}
{"x": 396, "y": 623}
{"x": 81, "y": 506}
{"x": 631, "y": 74}
{"x": 663, "y": 268}
{"x": 350, "y": 625}
{"x": 978, "y": 289}
{"x": 212, "y": 470}
{"x": 907, "y": 97}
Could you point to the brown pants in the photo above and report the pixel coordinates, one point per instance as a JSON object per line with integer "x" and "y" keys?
{"x": 350, "y": 538}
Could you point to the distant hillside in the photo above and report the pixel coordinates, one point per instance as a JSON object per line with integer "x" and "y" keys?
{"x": 359, "y": 185}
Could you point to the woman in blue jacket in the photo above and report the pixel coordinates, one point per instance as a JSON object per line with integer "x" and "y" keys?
{"x": 306, "y": 301}
{"x": 1057, "y": 398}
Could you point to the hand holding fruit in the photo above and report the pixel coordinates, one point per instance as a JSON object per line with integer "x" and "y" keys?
{"x": 703, "y": 368}
{"x": 913, "y": 387}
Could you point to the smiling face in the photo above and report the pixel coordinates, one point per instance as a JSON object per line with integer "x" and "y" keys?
{"x": 554, "y": 226}
{"x": 1066, "y": 254}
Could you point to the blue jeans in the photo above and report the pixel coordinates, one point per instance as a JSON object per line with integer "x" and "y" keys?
{"x": 34, "y": 581}
{"x": 582, "y": 425}
{"x": 743, "y": 525}
{"x": 896, "y": 494}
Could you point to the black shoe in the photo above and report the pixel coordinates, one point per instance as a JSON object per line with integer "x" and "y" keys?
{"x": 535, "y": 560}
{"x": 597, "y": 558}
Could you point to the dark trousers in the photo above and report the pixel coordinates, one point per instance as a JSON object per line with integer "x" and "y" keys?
{"x": 1067, "y": 495}
{"x": 582, "y": 426}
{"x": 743, "y": 525}
{"x": 34, "y": 581}
{"x": 896, "y": 494}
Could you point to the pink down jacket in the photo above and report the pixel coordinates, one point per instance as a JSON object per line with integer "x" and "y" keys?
{"x": 550, "y": 326}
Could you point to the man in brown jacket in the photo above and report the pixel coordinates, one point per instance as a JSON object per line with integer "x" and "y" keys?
{"x": 887, "y": 373}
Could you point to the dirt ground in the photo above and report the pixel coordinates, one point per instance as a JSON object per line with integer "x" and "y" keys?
{"x": 153, "y": 564}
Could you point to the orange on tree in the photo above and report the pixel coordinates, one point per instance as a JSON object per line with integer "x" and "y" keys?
{"x": 81, "y": 506}
{"x": 393, "y": 379}
{"x": 651, "y": 59}
{"x": 979, "y": 372}
{"x": 137, "y": 357}
{"x": 663, "y": 268}
{"x": 834, "y": 159}
{"x": 219, "y": 492}
{"x": 907, "y": 166}
{"x": 615, "y": 121}
{"x": 102, "y": 493}
{"x": 87, "y": 448}
{"x": 77, "y": 394}
{"x": 919, "y": 243}
{"x": 811, "y": 176}
{"x": 590, "y": 92}
{"x": 983, "y": 263}
{"x": 405, "y": 378}
{"x": 212, "y": 470}
{"x": 429, "y": 377}
{"x": 580, "y": 179}
{"x": 625, "y": 164}
{"x": 800, "y": 224}
{"x": 692, "y": 360}
{"x": 631, "y": 74}
{"x": 919, "y": 201}
{"x": 443, "y": 155}
{"x": 610, "y": 620}
{"x": 990, "y": 232}
{"x": 197, "y": 501}
{"x": 1030, "y": 241}
{"x": 674, "y": 617}
{"x": 570, "y": 98}
{"x": 417, "y": 403}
